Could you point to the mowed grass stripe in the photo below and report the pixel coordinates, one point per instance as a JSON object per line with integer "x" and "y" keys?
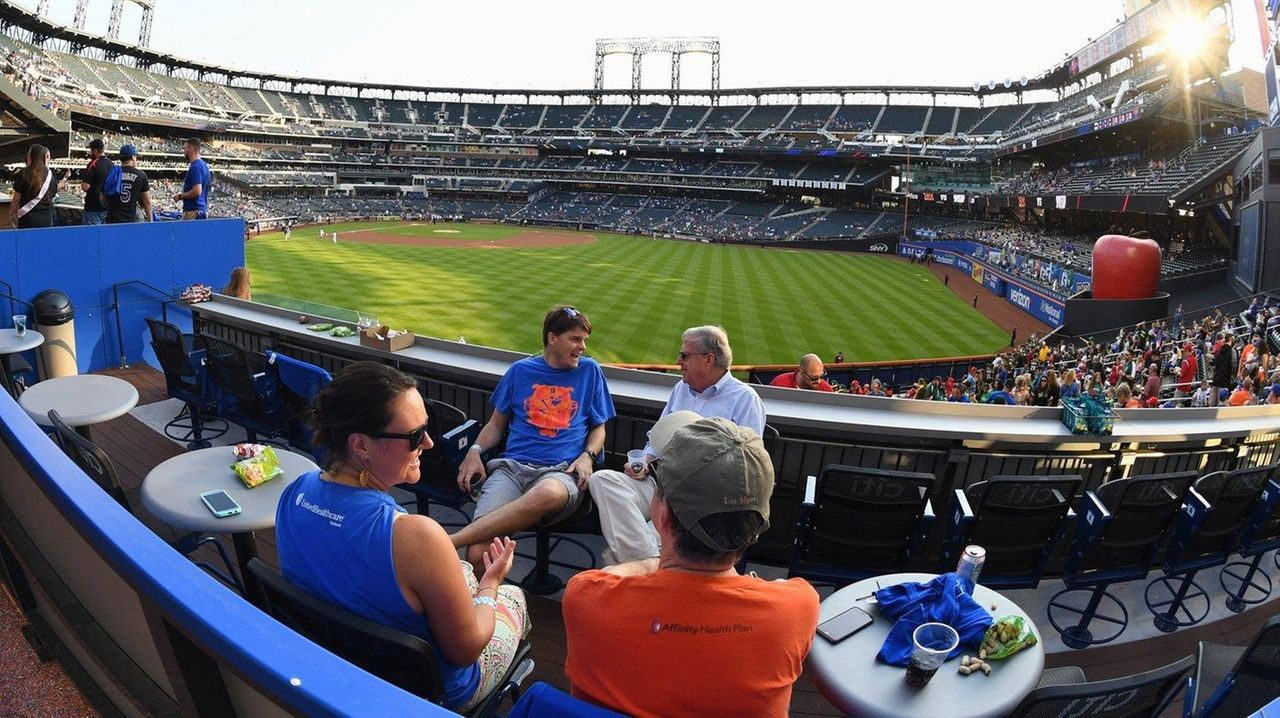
{"x": 640, "y": 293}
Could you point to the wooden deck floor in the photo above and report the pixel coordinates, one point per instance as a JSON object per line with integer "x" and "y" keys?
{"x": 135, "y": 449}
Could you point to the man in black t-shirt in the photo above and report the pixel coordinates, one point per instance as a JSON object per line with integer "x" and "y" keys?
{"x": 91, "y": 179}
{"x": 135, "y": 191}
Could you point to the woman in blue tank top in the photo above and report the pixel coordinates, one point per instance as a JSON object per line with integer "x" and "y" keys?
{"x": 341, "y": 538}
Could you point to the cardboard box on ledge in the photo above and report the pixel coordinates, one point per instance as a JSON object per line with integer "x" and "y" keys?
{"x": 370, "y": 338}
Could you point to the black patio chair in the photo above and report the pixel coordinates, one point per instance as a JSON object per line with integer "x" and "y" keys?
{"x": 399, "y": 658}
{"x": 185, "y": 379}
{"x": 1137, "y": 696}
{"x": 250, "y": 393}
{"x": 94, "y": 461}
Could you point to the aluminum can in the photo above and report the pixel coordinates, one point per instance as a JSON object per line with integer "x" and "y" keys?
{"x": 971, "y": 562}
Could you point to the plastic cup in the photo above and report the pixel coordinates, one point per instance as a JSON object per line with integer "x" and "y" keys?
{"x": 931, "y": 644}
{"x": 20, "y": 324}
{"x": 635, "y": 459}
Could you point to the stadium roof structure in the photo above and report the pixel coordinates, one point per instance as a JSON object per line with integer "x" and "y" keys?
{"x": 78, "y": 40}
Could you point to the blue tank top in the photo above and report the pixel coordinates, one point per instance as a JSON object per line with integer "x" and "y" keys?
{"x": 334, "y": 542}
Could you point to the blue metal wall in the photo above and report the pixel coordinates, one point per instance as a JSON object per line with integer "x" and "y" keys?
{"x": 86, "y": 262}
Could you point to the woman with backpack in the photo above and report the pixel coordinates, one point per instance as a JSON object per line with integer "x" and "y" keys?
{"x": 33, "y": 192}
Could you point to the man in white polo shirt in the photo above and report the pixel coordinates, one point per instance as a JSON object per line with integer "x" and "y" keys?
{"x": 708, "y": 390}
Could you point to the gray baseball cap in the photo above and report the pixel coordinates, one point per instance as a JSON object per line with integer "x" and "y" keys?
{"x": 709, "y": 466}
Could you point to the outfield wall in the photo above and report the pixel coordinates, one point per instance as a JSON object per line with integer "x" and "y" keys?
{"x": 1015, "y": 290}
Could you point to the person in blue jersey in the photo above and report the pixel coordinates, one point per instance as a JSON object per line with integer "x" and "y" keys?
{"x": 343, "y": 539}
{"x": 552, "y": 408}
{"x": 195, "y": 186}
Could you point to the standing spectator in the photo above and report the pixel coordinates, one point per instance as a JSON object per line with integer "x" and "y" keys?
{"x": 91, "y": 181}
{"x": 635, "y": 628}
{"x": 1224, "y": 359}
{"x": 975, "y": 300}
{"x": 811, "y": 375}
{"x": 1152, "y": 387}
{"x": 552, "y": 409}
{"x": 33, "y": 190}
{"x": 135, "y": 191}
{"x": 707, "y": 389}
{"x": 1187, "y": 369}
{"x": 195, "y": 186}
{"x": 1013, "y": 336}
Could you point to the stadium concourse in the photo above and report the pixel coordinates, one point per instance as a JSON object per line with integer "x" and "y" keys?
{"x": 999, "y": 189}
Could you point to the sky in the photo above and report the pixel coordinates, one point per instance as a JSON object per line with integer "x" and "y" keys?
{"x": 551, "y": 44}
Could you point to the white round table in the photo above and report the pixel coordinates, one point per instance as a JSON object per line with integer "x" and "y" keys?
{"x": 11, "y": 343}
{"x": 171, "y": 492}
{"x": 851, "y": 677}
{"x": 82, "y": 400}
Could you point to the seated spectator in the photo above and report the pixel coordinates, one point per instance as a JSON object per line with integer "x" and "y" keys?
{"x": 1070, "y": 385}
{"x": 1203, "y": 395}
{"x": 1151, "y": 389}
{"x": 1124, "y": 398}
{"x": 633, "y": 629}
{"x": 1002, "y": 395}
{"x": 810, "y": 375}
{"x": 1243, "y": 395}
{"x": 342, "y": 538}
{"x": 1022, "y": 390}
{"x": 552, "y": 409}
{"x": 238, "y": 285}
{"x": 1273, "y": 394}
{"x": 959, "y": 394}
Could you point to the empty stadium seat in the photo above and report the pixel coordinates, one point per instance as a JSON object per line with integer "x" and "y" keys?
{"x": 1245, "y": 583}
{"x": 1120, "y": 531}
{"x": 1235, "y": 681}
{"x": 1019, "y": 520}
{"x": 1204, "y": 535}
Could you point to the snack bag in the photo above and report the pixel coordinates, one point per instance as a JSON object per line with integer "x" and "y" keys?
{"x": 1007, "y": 636}
{"x": 258, "y": 469}
{"x": 248, "y": 451}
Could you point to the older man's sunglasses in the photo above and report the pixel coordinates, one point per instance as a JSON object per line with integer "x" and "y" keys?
{"x": 415, "y": 437}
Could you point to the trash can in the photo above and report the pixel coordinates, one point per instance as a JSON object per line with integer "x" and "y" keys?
{"x": 55, "y": 319}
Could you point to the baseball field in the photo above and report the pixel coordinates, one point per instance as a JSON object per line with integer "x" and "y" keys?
{"x": 492, "y": 284}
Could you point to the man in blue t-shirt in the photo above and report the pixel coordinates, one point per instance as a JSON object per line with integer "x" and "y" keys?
{"x": 195, "y": 186}
{"x": 553, "y": 409}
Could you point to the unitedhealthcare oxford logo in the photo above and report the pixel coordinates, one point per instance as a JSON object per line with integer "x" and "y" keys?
{"x": 878, "y": 248}
{"x": 334, "y": 519}
{"x": 1020, "y": 298}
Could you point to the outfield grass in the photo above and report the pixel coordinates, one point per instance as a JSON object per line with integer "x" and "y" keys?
{"x": 640, "y": 294}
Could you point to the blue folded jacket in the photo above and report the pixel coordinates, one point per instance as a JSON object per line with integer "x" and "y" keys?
{"x": 945, "y": 599}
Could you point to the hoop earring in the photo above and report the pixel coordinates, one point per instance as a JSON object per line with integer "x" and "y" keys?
{"x": 365, "y": 479}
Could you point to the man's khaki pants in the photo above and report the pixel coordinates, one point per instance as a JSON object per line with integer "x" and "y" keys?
{"x": 623, "y": 503}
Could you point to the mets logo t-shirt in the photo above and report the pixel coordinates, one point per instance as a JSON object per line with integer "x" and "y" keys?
{"x": 551, "y": 409}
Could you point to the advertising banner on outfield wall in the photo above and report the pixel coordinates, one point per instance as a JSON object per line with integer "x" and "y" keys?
{"x": 1034, "y": 303}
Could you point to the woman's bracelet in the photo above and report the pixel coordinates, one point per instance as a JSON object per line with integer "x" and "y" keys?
{"x": 485, "y": 601}
{"x": 487, "y": 588}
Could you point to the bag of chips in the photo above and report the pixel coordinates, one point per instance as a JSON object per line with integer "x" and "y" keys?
{"x": 258, "y": 469}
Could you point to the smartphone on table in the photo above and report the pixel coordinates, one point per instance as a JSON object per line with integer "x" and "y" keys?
{"x": 841, "y": 626}
{"x": 220, "y": 503}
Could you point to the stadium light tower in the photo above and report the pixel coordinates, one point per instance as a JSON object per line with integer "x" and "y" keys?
{"x": 117, "y": 12}
{"x": 638, "y": 47}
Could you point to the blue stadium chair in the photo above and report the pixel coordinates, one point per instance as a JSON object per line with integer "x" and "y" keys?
{"x": 249, "y": 394}
{"x": 1120, "y": 531}
{"x": 399, "y": 658}
{"x": 1019, "y": 520}
{"x": 1238, "y": 680}
{"x": 1245, "y": 583}
{"x": 546, "y": 701}
{"x": 855, "y": 523}
{"x": 1205, "y": 534}
{"x": 186, "y": 379}
{"x": 299, "y": 382}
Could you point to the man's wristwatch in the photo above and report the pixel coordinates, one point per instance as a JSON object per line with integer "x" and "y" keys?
{"x": 476, "y": 448}
{"x": 593, "y": 454}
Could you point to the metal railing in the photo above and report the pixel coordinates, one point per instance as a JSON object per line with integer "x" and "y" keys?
{"x": 168, "y": 299}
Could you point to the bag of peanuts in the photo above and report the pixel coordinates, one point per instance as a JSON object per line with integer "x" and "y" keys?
{"x": 1007, "y": 636}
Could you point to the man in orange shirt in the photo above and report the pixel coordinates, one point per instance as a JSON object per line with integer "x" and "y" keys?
{"x": 685, "y": 634}
{"x": 1243, "y": 395}
{"x": 810, "y": 375}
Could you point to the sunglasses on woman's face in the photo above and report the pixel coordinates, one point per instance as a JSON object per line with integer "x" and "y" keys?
{"x": 415, "y": 437}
